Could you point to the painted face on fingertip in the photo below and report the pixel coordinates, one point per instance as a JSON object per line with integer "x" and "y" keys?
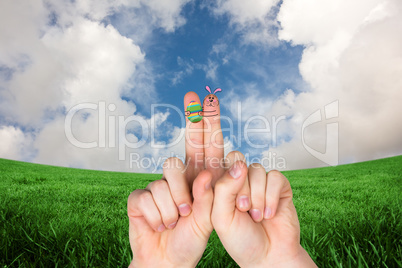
{"x": 211, "y": 103}
{"x": 211, "y": 100}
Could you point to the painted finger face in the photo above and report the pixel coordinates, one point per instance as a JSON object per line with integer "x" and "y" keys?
{"x": 211, "y": 103}
{"x": 211, "y": 106}
{"x": 211, "y": 100}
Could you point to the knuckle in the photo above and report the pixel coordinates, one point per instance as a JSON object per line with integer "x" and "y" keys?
{"x": 275, "y": 174}
{"x": 290, "y": 194}
{"x": 275, "y": 177}
{"x": 134, "y": 195}
{"x": 130, "y": 202}
{"x": 169, "y": 214}
{"x": 180, "y": 196}
{"x": 170, "y": 219}
{"x": 195, "y": 140}
{"x": 158, "y": 186}
{"x": 278, "y": 179}
{"x": 131, "y": 196}
{"x": 144, "y": 198}
{"x": 220, "y": 186}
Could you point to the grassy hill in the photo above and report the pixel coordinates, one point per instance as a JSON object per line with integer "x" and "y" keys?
{"x": 350, "y": 215}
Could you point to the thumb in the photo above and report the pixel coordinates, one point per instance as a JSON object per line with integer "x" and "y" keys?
{"x": 226, "y": 190}
{"x": 203, "y": 199}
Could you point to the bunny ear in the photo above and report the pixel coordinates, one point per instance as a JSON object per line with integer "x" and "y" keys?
{"x": 209, "y": 90}
{"x": 217, "y": 90}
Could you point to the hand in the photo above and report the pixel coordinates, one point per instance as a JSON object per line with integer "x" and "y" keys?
{"x": 166, "y": 228}
{"x": 254, "y": 217}
{"x": 169, "y": 226}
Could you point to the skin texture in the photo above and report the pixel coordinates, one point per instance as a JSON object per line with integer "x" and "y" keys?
{"x": 265, "y": 230}
{"x": 171, "y": 220}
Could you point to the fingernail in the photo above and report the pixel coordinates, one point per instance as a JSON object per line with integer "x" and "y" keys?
{"x": 255, "y": 214}
{"x": 235, "y": 171}
{"x": 184, "y": 209}
{"x": 244, "y": 201}
{"x": 161, "y": 228}
{"x": 172, "y": 225}
{"x": 267, "y": 213}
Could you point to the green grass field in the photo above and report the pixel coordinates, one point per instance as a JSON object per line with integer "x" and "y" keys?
{"x": 350, "y": 216}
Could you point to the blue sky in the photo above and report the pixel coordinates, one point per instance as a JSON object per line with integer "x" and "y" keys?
{"x": 317, "y": 75}
{"x": 196, "y": 42}
{"x": 182, "y": 58}
{"x": 207, "y": 39}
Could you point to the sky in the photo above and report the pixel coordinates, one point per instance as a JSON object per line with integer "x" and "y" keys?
{"x": 100, "y": 84}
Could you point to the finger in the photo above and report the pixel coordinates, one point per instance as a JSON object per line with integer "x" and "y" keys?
{"x": 174, "y": 173}
{"x": 213, "y": 138}
{"x": 194, "y": 141}
{"x": 258, "y": 181}
{"x": 225, "y": 192}
{"x": 164, "y": 202}
{"x": 203, "y": 199}
{"x": 278, "y": 187}
{"x": 243, "y": 202}
{"x": 141, "y": 204}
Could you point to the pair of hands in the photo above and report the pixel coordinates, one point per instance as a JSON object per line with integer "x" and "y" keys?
{"x": 252, "y": 212}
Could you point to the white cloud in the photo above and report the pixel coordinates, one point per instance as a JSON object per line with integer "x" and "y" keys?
{"x": 244, "y": 12}
{"x": 24, "y": 22}
{"x": 60, "y": 54}
{"x": 241, "y": 107}
{"x": 123, "y": 142}
{"x": 188, "y": 66}
{"x": 15, "y": 144}
{"x": 97, "y": 61}
{"x": 163, "y": 13}
{"x": 210, "y": 69}
{"x": 167, "y": 12}
{"x": 321, "y": 22}
{"x": 87, "y": 62}
{"x": 187, "y": 69}
{"x": 352, "y": 55}
{"x": 253, "y": 19}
